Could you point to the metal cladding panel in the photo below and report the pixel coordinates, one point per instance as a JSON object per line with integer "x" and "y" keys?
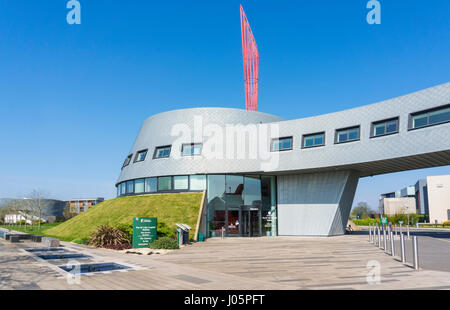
{"x": 408, "y": 149}
{"x": 315, "y": 204}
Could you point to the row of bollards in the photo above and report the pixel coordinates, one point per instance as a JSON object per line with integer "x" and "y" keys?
{"x": 391, "y": 232}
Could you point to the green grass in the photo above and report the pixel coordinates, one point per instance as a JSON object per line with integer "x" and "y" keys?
{"x": 168, "y": 208}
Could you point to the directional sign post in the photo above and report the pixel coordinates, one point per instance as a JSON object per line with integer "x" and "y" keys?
{"x": 144, "y": 231}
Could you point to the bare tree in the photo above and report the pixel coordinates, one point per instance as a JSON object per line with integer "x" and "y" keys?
{"x": 35, "y": 206}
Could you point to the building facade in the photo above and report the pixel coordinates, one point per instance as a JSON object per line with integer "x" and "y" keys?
{"x": 268, "y": 176}
{"x": 83, "y": 204}
{"x": 438, "y": 190}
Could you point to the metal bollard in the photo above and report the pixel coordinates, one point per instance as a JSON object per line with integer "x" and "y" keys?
{"x": 392, "y": 244}
{"x": 370, "y": 233}
{"x": 400, "y": 229}
{"x": 223, "y": 231}
{"x": 415, "y": 253}
{"x": 402, "y": 246}
{"x": 384, "y": 240}
{"x": 407, "y": 231}
{"x": 379, "y": 237}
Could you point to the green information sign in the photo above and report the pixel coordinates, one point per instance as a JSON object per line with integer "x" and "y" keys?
{"x": 384, "y": 221}
{"x": 400, "y": 222}
{"x": 144, "y": 231}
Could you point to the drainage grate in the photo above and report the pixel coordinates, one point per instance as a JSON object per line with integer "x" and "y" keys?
{"x": 62, "y": 256}
{"x": 89, "y": 268}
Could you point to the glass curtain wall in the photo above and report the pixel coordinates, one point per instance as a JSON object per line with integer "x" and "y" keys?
{"x": 241, "y": 204}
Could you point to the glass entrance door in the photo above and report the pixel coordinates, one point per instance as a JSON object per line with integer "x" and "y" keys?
{"x": 251, "y": 222}
{"x": 232, "y": 220}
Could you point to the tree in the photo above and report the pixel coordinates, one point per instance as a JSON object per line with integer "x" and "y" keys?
{"x": 35, "y": 206}
{"x": 67, "y": 214}
{"x": 362, "y": 211}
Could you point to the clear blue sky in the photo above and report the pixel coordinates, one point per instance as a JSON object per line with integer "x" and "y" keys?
{"x": 73, "y": 97}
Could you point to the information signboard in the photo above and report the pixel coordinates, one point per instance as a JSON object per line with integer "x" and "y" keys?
{"x": 144, "y": 231}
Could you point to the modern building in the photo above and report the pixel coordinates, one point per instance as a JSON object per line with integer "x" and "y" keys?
{"x": 438, "y": 192}
{"x": 51, "y": 209}
{"x": 79, "y": 205}
{"x": 264, "y": 175}
{"x": 430, "y": 196}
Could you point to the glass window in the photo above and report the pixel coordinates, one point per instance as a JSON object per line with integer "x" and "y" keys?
{"x": 216, "y": 187}
{"x": 130, "y": 187}
{"x": 282, "y": 144}
{"x": 252, "y": 191}
{"x": 349, "y": 134}
{"x": 162, "y": 152}
{"x": 140, "y": 156}
{"x": 385, "y": 127}
{"x": 431, "y": 117}
{"x": 197, "y": 182}
{"x": 139, "y": 186}
{"x": 191, "y": 149}
{"x": 122, "y": 188}
{"x": 439, "y": 116}
{"x": 313, "y": 140}
{"x": 234, "y": 188}
{"x": 151, "y": 185}
{"x": 164, "y": 183}
{"x": 181, "y": 182}
{"x": 420, "y": 120}
{"x": 127, "y": 160}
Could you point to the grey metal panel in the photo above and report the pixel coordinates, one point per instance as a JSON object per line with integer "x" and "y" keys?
{"x": 315, "y": 204}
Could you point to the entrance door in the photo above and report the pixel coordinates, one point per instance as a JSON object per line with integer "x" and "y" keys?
{"x": 251, "y": 221}
{"x": 232, "y": 219}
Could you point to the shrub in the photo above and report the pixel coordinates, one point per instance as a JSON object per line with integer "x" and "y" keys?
{"x": 165, "y": 231}
{"x": 111, "y": 238}
{"x": 446, "y": 223}
{"x": 84, "y": 241}
{"x": 165, "y": 243}
{"x": 127, "y": 229}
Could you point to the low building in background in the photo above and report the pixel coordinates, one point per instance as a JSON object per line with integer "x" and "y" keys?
{"x": 83, "y": 204}
{"x": 401, "y": 205}
{"x": 430, "y": 196}
{"x": 438, "y": 192}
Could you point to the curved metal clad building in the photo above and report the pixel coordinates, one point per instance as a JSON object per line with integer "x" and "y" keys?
{"x": 268, "y": 176}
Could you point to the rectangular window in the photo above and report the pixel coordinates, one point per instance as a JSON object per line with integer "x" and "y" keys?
{"x": 430, "y": 117}
{"x": 197, "y": 182}
{"x": 313, "y": 140}
{"x": 282, "y": 144}
{"x": 191, "y": 149}
{"x": 181, "y": 183}
{"x": 385, "y": 127}
{"x": 139, "y": 186}
{"x": 122, "y": 188}
{"x": 151, "y": 185}
{"x": 162, "y": 152}
{"x": 127, "y": 160}
{"x": 165, "y": 184}
{"x": 140, "y": 156}
{"x": 347, "y": 134}
{"x": 130, "y": 187}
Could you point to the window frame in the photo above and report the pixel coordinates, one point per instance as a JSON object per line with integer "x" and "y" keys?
{"x": 427, "y": 112}
{"x": 192, "y": 150}
{"x": 137, "y": 156}
{"x": 282, "y": 138}
{"x": 336, "y": 134}
{"x": 127, "y": 160}
{"x": 162, "y": 147}
{"x": 304, "y": 137}
{"x": 385, "y": 121}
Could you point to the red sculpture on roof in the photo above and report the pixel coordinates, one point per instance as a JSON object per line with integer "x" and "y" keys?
{"x": 251, "y": 64}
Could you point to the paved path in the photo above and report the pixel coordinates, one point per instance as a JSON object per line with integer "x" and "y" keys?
{"x": 242, "y": 264}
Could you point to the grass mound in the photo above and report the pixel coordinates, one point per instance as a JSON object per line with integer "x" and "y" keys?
{"x": 168, "y": 208}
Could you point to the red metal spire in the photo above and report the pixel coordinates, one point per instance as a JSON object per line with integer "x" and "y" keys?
{"x": 251, "y": 64}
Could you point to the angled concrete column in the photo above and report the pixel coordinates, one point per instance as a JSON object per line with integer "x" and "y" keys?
{"x": 316, "y": 204}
